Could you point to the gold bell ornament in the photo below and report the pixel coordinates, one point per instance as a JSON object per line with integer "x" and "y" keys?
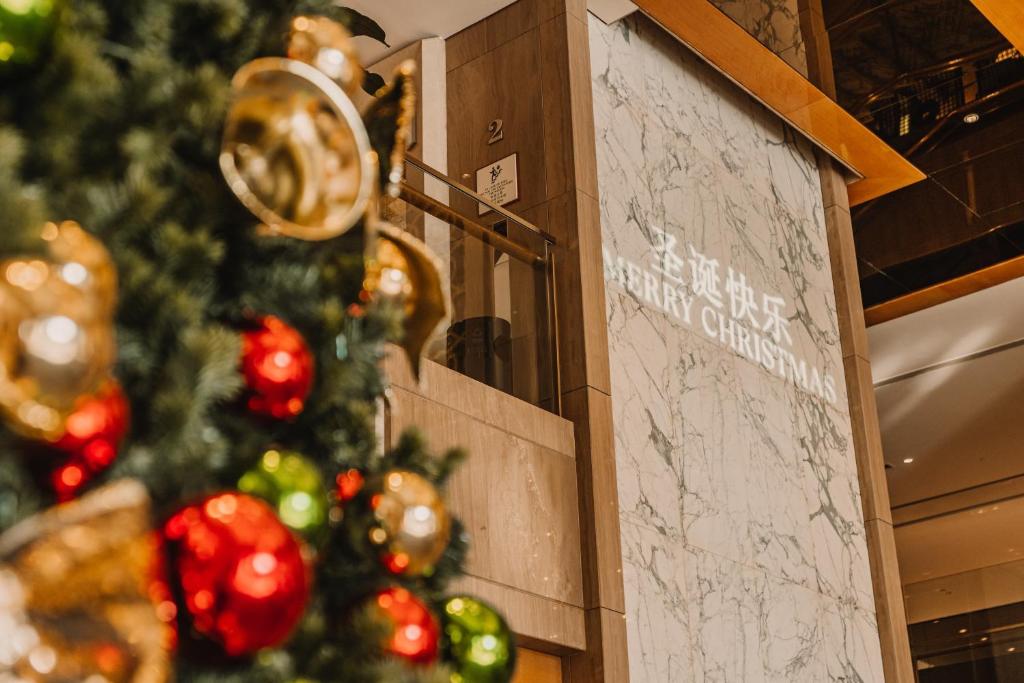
{"x": 56, "y": 330}
{"x": 295, "y": 150}
{"x": 75, "y": 582}
{"x": 402, "y": 271}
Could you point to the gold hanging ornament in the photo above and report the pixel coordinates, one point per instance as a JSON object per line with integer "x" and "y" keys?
{"x": 56, "y": 330}
{"x": 389, "y": 123}
{"x": 300, "y": 158}
{"x": 295, "y": 150}
{"x": 74, "y": 586}
{"x": 401, "y": 270}
{"x": 413, "y": 524}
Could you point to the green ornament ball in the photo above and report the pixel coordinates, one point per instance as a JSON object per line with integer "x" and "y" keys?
{"x": 25, "y": 28}
{"x": 292, "y": 484}
{"x": 477, "y": 642}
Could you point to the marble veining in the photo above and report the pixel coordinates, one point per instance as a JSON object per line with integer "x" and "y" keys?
{"x": 742, "y": 533}
{"x": 775, "y": 24}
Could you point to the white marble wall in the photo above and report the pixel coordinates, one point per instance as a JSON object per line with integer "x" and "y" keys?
{"x": 742, "y": 534}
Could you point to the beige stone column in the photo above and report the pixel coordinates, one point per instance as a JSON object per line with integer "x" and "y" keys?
{"x": 529, "y": 64}
{"x": 885, "y": 572}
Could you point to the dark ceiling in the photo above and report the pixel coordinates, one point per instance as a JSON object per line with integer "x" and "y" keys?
{"x": 876, "y": 42}
{"x": 912, "y": 70}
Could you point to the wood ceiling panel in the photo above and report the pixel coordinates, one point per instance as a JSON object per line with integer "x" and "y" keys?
{"x": 766, "y": 76}
{"x": 1007, "y": 16}
{"x": 945, "y": 291}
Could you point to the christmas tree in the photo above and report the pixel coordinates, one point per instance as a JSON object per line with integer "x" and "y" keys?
{"x": 195, "y": 296}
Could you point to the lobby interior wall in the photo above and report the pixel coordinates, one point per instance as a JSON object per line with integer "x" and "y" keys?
{"x": 528, "y": 65}
{"x": 528, "y": 455}
{"x": 744, "y": 549}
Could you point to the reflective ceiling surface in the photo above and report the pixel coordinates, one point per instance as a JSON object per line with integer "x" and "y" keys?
{"x": 939, "y": 83}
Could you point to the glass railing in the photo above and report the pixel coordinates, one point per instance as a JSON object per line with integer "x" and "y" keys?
{"x": 983, "y": 645}
{"x": 499, "y": 272}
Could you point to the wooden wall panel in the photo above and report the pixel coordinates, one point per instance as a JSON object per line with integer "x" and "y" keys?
{"x": 483, "y": 90}
{"x": 516, "y": 498}
{"x": 516, "y": 495}
{"x": 537, "y": 667}
{"x": 539, "y": 623}
{"x": 482, "y": 403}
{"x": 530, "y": 66}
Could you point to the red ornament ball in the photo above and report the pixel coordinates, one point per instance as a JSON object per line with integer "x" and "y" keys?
{"x": 349, "y": 484}
{"x": 278, "y": 368}
{"x": 415, "y": 630}
{"x": 92, "y": 434}
{"x": 240, "y": 572}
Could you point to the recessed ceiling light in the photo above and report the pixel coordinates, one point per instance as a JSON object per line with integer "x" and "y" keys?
{"x": 962, "y": 631}
{"x": 907, "y": 461}
{"x": 972, "y": 117}
{"x": 1011, "y": 649}
{"x": 984, "y": 638}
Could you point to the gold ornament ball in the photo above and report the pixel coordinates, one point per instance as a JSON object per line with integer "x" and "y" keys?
{"x": 327, "y": 45}
{"x": 56, "y": 332}
{"x": 414, "y": 525}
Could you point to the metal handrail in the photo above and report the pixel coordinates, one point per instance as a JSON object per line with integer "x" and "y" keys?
{"x": 451, "y": 182}
{"x": 909, "y": 77}
{"x": 487, "y": 235}
{"x": 960, "y": 111}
